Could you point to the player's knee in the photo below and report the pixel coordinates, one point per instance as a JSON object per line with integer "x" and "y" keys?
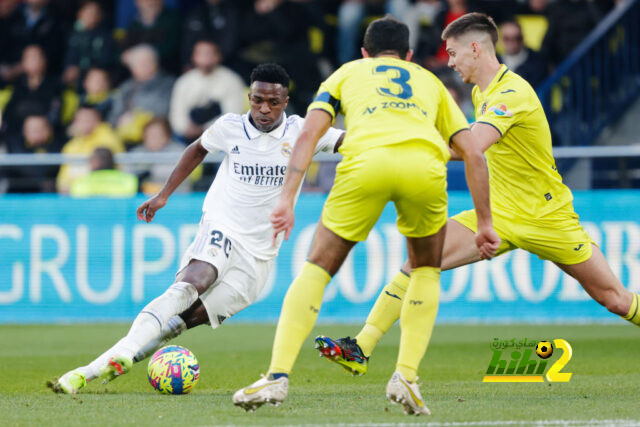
{"x": 201, "y": 275}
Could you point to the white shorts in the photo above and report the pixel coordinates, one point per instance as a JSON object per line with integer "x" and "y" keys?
{"x": 241, "y": 276}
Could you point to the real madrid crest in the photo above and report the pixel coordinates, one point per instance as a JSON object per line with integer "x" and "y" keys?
{"x": 286, "y": 149}
{"x": 483, "y": 109}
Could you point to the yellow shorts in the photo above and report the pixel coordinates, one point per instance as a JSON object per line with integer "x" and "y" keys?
{"x": 408, "y": 174}
{"x": 559, "y": 238}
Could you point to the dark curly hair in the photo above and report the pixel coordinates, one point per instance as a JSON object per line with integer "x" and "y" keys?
{"x": 270, "y": 73}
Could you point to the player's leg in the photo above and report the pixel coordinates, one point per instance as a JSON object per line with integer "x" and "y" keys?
{"x": 302, "y": 303}
{"x": 157, "y": 321}
{"x": 194, "y": 280}
{"x": 602, "y": 285}
{"x": 417, "y": 318}
{"x": 362, "y": 188}
{"x": 561, "y": 239}
{"x": 299, "y": 312}
{"x": 353, "y": 206}
{"x": 459, "y": 249}
{"x": 195, "y": 315}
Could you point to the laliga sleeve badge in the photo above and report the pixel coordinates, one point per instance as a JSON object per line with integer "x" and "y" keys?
{"x": 501, "y": 110}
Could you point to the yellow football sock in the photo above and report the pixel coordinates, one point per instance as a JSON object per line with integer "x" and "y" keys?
{"x": 417, "y": 318}
{"x": 384, "y": 313}
{"x": 299, "y": 311}
{"x": 633, "y": 315}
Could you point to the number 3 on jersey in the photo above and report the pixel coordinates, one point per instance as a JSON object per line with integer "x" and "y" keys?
{"x": 398, "y": 76}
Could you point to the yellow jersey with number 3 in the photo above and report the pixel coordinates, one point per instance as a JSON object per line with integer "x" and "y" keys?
{"x": 523, "y": 177}
{"x": 388, "y": 101}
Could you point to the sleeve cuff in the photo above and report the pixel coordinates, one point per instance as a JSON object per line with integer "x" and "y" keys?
{"x": 319, "y": 105}
{"x": 490, "y": 124}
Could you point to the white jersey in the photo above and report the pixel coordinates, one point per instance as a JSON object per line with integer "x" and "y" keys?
{"x": 249, "y": 180}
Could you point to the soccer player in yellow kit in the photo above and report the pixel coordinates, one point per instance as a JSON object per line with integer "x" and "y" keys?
{"x": 399, "y": 119}
{"x": 532, "y": 209}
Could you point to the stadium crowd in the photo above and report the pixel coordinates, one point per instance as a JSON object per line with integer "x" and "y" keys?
{"x": 76, "y": 76}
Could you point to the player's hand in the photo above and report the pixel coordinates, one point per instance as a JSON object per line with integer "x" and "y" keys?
{"x": 488, "y": 242}
{"x": 148, "y": 209}
{"x": 282, "y": 219}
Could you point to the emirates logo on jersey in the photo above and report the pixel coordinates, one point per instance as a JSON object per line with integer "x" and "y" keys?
{"x": 286, "y": 149}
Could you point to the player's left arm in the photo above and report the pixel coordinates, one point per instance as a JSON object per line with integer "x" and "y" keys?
{"x": 485, "y": 136}
{"x": 316, "y": 124}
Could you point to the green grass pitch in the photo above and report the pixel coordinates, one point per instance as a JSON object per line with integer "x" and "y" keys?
{"x": 605, "y": 383}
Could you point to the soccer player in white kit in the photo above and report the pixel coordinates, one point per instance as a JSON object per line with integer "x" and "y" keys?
{"x": 226, "y": 266}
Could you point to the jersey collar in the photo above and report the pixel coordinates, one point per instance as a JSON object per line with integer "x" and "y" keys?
{"x": 501, "y": 72}
{"x": 252, "y": 132}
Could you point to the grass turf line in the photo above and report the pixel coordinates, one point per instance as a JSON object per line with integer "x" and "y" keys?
{"x": 604, "y": 386}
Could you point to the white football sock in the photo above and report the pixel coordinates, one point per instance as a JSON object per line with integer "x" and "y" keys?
{"x": 174, "y": 327}
{"x": 148, "y": 325}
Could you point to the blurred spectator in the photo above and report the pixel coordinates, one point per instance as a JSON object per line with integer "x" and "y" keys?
{"x": 320, "y": 177}
{"x": 158, "y": 26}
{"x": 278, "y": 31}
{"x": 35, "y": 93}
{"x": 460, "y": 92}
{"x": 569, "y": 23}
{"x": 33, "y": 22}
{"x": 350, "y": 18}
{"x": 423, "y": 32}
{"x": 9, "y": 66}
{"x": 157, "y": 139}
{"x": 104, "y": 179}
{"x": 145, "y": 95}
{"x": 218, "y": 19}
{"x": 37, "y": 136}
{"x": 202, "y": 94}
{"x": 97, "y": 91}
{"x": 519, "y": 58}
{"x": 90, "y": 44}
{"x": 88, "y": 132}
{"x": 453, "y": 10}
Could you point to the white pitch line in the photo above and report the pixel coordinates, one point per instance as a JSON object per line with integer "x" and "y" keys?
{"x": 563, "y": 423}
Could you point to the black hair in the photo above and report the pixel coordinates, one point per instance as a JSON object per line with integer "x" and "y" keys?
{"x": 104, "y": 156}
{"x": 92, "y": 107}
{"x": 387, "y": 35}
{"x": 270, "y": 73}
{"x": 469, "y": 23}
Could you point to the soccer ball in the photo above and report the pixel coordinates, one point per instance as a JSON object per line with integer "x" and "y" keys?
{"x": 173, "y": 370}
{"x": 544, "y": 349}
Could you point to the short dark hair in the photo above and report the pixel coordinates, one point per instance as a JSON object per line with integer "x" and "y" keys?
{"x": 104, "y": 158}
{"x": 387, "y": 35}
{"x": 469, "y": 23}
{"x": 162, "y": 121}
{"x": 270, "y": 73}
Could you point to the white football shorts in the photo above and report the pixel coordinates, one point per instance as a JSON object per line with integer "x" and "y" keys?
{"x": 241, "y": 276}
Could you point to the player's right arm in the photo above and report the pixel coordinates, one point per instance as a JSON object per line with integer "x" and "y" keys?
{"x": 477, "y": 176}
{"x": 191, "y": 157}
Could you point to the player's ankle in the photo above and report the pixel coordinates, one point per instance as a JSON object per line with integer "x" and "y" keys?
{"x": 277, "y": 375}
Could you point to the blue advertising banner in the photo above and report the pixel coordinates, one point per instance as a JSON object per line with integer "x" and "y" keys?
{"x": 71, "y": 260}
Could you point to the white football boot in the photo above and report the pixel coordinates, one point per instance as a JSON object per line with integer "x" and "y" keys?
{"x": 407, "y": 394}
{"x": 260, "y": 392}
